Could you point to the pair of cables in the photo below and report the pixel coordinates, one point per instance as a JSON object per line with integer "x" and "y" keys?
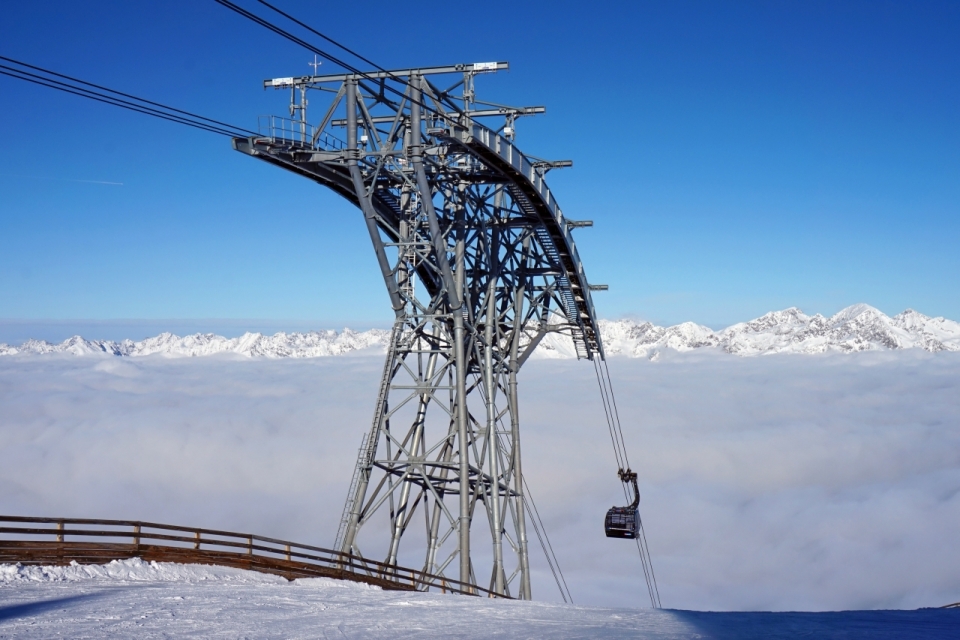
{"x": 538, "y": 527}
{"x": 263, "y": 22}
{"x": 623, "y": 462}
{"x": 68, "y": 84}
{"x": 530, "y": 507}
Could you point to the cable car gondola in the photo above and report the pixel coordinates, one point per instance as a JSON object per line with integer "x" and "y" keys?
{"x": 624, "y": 522}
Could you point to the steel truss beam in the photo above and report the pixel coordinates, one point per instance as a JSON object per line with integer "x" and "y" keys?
{"x": 479, "y": 265}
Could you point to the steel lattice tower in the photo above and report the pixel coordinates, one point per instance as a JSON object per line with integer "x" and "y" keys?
{"x": 479, "y": 264}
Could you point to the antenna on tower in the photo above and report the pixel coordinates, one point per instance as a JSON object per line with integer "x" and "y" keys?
{"x": 301, "y": 107}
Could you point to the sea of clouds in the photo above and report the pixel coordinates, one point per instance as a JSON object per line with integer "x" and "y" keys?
{"x": 784, "y": 482}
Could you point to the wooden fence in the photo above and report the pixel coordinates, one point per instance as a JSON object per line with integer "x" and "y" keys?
{"x": 59, "y": 541}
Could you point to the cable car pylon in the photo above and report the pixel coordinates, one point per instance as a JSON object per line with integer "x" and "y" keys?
{"x": 479, "y": 264}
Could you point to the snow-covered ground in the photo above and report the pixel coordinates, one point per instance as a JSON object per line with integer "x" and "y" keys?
{"x": 132, "y": 599}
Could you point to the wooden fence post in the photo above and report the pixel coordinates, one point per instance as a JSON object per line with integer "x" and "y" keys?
{"x": 136, "y": 538}
{"x": 60, "y": 559}
{"x": 196, "y": 544}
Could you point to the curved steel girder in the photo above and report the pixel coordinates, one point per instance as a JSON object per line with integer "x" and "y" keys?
{"x": 340, "y": 183}
{"x": 500, "y": 155}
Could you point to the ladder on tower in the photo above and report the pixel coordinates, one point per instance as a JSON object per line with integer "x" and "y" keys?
{"x": 566, "y": 293}
{"x": 368, "y": 445}
{"x": 362, "y": 456}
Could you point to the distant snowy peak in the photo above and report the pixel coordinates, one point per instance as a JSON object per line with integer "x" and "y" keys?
{"x": 857, "y": 328}
{"x": 281, "y": 345}
{"x": 625, "y": 337}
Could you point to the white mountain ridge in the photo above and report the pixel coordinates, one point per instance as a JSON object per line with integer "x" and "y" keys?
{"x": 857, "y": 328}
{"x": 312, "y": 344}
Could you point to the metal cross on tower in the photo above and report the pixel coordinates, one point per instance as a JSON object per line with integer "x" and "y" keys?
{"x": 479, "y": 264}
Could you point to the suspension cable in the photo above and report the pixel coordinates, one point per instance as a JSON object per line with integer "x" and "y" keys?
{"x": 642, "y": 549}
{"x": 116, "y": 104}
{"x": 641, "y": 541}
{"x": 263, "y": 22}
{"x": 286, "y": 34}
{"x": 612, "y": 414}
{"x": 100, "y": 94}
{"x": 327, "y": 38}
{"x": 608, "y": 414}
{"x": 616, "y": 412}
{"x": 125, "y": 95}
{"x": 535, "y": 519}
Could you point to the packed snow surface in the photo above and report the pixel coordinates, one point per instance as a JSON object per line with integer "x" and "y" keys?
{"x": 856, "y": 328}
{"x": 132, "y": 598}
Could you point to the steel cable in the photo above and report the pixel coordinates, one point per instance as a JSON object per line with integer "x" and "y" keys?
{"x": 608, "y": 414}
{"x": 612, "y": 414}
{"x": 616, "y": 411}
{"x": 263, "y": 22}
{"x": 641, "y": 541}
{"x": 538, "y": 527}
{"x": 535, "y": 519}
{"x": 618, "y": 444}
{"x": 328, "y": 39}
{"x": 642, "y": 544}
{"x": 119, "y": 93}
{"x": 115, "y": 102}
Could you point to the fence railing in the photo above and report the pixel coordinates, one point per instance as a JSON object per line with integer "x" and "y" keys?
{"x": 58, "y": 541}
{"x": 297, "y": 133}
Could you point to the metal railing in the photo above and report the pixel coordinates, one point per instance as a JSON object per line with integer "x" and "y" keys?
{"x": 297, "y": 133}
{"x": 59, "y": 541}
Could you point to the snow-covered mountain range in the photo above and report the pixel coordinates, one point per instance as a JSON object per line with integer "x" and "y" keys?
{"x": 281, "y": 345}
{"x": 856, "y": 328}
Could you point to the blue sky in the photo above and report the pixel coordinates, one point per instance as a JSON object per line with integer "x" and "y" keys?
{"x": 736, "y": 157}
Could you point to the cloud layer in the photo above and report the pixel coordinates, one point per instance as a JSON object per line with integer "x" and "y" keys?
{"x": 827, "y": 482}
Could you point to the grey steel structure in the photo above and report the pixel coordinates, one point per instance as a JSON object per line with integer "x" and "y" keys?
{"x": 479, "y": 264}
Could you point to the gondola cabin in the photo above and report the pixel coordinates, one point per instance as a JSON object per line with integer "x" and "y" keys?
{"x": 622, "y": 522}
